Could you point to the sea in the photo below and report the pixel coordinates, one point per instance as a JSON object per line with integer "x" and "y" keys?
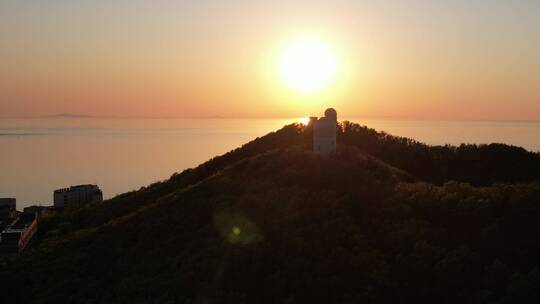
{"x": 38, "y": 156}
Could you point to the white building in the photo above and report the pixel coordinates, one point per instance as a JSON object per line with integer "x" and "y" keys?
{"x": 324, "y": 133}
{"x": 77, "y": 196}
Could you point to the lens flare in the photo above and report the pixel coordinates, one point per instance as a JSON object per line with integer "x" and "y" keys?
{"x": 236, "y": 228}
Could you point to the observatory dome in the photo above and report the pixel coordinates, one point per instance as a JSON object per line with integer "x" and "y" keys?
{"x": 330, "y": 113}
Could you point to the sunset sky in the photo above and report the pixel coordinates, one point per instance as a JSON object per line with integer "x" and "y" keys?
{"x": 477, "y": 60}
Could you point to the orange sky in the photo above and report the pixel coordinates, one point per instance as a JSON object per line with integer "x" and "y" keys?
{"x": 420, "y": 60}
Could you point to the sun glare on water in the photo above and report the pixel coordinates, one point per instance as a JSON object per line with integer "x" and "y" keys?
{"x": 308, "y": 65}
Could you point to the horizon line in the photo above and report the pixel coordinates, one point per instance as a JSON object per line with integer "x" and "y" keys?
{"x": 86, "y": 116}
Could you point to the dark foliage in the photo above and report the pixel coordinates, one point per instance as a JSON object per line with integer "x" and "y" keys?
{"x": 272, "y": 223}
{"x": 479, "y": 165}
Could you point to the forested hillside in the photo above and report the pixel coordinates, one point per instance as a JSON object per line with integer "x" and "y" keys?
{"x": 480, "y": 165}
{"x": 386, "y": 220}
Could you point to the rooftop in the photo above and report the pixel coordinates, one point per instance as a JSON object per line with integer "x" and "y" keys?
{"x": 75, "y": 188}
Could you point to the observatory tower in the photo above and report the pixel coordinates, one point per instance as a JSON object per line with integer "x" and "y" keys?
{"x": 324, "y": 133}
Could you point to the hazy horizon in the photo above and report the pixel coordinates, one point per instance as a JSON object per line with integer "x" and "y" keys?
{"x": 350, "y": 118}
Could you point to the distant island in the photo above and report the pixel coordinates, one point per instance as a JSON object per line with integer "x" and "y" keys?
{"x": 68, "y": 115}
{"x": 380, "y": 219}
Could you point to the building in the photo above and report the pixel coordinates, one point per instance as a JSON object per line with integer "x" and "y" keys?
{"x": 77, "y": 196}
{"x": 39, "y": 210}
{"x": 8, "y": 208}
{"x": 17, "y": 228}
{"x": 16, "y": 237}
{"x": 18, "y": 234}
{"x": 324, "y": 133}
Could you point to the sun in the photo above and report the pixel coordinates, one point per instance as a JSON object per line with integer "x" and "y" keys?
{"x": 303, "y": 120}
{"x": 308, "y": 65}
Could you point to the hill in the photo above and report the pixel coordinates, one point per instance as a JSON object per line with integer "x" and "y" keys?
{"x": 387, "y": 220}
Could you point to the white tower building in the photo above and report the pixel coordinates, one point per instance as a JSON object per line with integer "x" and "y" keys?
{"x": 324, "y": 133}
